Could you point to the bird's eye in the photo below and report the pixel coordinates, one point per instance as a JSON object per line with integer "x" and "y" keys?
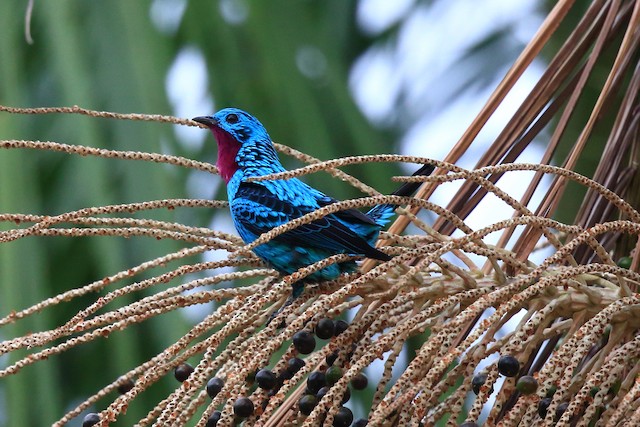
{"x": 232, "y": 118}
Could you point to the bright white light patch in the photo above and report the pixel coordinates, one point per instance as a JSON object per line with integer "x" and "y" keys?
{"x": 375, "y": 82}
{"x": 187, "y": 88}
{"x": 375, "y": 16}
{"x": 415, "y": 66}
{"x": 311, "y": 62}
{"x": 167, "y": 14}
{"x": 234, "y": 12}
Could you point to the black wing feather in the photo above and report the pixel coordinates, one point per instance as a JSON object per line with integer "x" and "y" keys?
{"x": 326, "y": 233}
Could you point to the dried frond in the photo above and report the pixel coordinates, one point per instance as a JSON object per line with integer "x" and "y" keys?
{"x": 539, "y": 329}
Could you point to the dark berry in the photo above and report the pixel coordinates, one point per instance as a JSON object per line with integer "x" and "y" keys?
{"x": 343, "y": 418}
{"x": 341, "y": 326}
{"x": 331, "y": 358}
{"x": 615, "y": 388}
{"x": 125, "y": 386}
{"x": 182, "y": 371}
{"x": 478, "y": 381}
{"x": 266, "y": 379}
{"x": 213, "y": 419}
{"x": 508, "y": 366}
{"x": 360, "y": 381}
{"x": 214, "y": 385}
{"x": 90, "y": 419}
{"x": 307, "y": 403}
{"x": 346, "y": 396}
{"x": 360, "y": 422}
{"x": 560, "y": 410}
{"x": 295, "y": 364}
{"x": 625, "y": 262}
{"x": 304, "y": 342}
{"x": 325, "y": 329}
{"x": 320, "y": 394}
{"x": 324, "y": 390}
{"x": 251, "y": 377}
{"x": 551, "y": 391}
{"x": 543, "y": 405}
{"x": 333, "y": 375}
{"x": 316, "y": 381}
{"x": 527, "y": 384}
{"x": 243, "y": 407}
{"x": 285, "y": 375}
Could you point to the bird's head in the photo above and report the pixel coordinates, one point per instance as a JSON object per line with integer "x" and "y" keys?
{"x": 232, "y": 129}
{"x": 236, "y": 123}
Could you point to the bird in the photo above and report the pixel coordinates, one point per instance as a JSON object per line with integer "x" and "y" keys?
{"x": 245, "y": 150}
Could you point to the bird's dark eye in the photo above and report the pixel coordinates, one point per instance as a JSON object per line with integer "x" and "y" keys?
{"x": 232, "y": 118}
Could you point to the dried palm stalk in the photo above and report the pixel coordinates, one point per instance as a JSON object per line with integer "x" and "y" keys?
{"x": 566, "y": 328}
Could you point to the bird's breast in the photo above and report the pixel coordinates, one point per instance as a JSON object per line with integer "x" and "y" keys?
{"x": 228, "y": 149}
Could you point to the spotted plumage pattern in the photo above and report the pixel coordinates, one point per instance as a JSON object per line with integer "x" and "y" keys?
{"x": 246, "y": 150}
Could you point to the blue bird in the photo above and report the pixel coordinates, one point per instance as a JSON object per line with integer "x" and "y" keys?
{"x": 245, "y": 150}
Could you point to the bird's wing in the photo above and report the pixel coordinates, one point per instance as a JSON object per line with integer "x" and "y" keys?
{"x": 348, "y": 215}
{"x": 260, "y": 210}
{"x": 383, "y": 212}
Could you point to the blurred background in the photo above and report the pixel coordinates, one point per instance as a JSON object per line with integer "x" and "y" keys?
{"x": 330, "y": 78}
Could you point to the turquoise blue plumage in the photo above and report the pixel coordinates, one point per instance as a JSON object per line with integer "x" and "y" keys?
{"x": 246, "y": 150}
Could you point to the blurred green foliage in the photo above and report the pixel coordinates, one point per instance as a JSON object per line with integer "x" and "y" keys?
{"x": 111, "y": 56}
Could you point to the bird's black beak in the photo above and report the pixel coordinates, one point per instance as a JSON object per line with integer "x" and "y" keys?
{"x": 207, "y": 121}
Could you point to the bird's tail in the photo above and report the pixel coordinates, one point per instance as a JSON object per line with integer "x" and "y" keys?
{"x": 382, "y": 213}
